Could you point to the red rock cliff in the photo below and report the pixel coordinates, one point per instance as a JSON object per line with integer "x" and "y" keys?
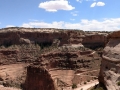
{"x": 38, "y": 78}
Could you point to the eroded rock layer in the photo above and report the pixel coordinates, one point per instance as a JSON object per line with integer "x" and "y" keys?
{"x": 67, "y": 66}
{"x": 110, "y": 67}
{"x": 46, "y": 36}
{"x": 25, "y": 44}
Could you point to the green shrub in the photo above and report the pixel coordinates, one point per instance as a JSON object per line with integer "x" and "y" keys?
{"x": 88, "y": 80}
{"x": 118, "y": 83}
{"x": 85, "y": 83}
{"x": 99, "y": 88}
{"x": 74, "y": 86}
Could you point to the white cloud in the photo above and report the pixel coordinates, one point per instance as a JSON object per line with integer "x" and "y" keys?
{"x": 79, "y": 1}
{"x": 93, "y": 4}
{"x": 75, "y": 13}
{"x": 97, "y": 4}
{"x": 44, "y": 24}
{"x": 88, "y": 25}
{"x": 27, "y": 25}
{"x": 55, "y": 5}
{"x": 100, "y": 3}
{"x": 72, "y": 19}
{"x": 33, "y": 20}
{"x": 84, "y": 0}
{"x": 10, "y": 26}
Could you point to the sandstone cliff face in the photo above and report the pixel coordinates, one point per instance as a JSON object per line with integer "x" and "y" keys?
{"x": 66, "y": 57}
{"x": 38, "y": 78}
{"x": 110, "y": 67}
{"x": 10, "y": 36}
{"x": 94, "y": 40}
{"x": 19, "y": 53}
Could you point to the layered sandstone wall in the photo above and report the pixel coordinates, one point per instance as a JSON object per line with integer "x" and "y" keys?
{"x": 16, "y": 35}
{"x": 66, "y": 59}
{"x": 94, "y": 40}
{"x": 19, "y": 53}
{"x": 25, "y": 44}
{"x": 9, "y": 36}
{"x": 110, "y": 66}
{"x": 63, "y": 68}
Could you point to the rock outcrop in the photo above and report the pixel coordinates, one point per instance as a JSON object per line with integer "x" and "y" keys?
{"x": 110, "y": 66}
{"x": 38, "y": 78}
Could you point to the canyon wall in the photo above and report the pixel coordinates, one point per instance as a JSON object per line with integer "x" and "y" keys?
{"x": 66, "y": 66}
{"x": 94, "y": 40}
{"x": 25, "y": 44}
{"x": 46, "y": 36}
{"x": 59, "y": 56}
{"x": 110, "y": 65}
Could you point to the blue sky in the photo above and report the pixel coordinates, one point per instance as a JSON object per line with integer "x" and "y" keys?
{"x": 69, "y": 14}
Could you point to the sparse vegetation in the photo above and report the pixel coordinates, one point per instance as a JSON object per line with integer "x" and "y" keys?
{"x": 85, "y": 83}
{"x": 99, "y": 88}
{"x": 95, "y": 78}
{"x": 88, "y": 80}
{"x": 74, "y": 86}
{"x": 118, "y": 83}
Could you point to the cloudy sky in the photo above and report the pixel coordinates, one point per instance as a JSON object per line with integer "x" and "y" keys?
{"x": 91, "y": 15}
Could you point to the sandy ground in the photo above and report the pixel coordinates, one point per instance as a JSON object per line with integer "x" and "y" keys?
{"x": 85, "y": 87}
{"x": 7, "y": 88}
{"x": 63, "y": 75}
{"x": 11, "y": 72}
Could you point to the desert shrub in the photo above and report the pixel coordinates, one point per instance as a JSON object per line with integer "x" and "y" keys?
{"x": 85, "y": 83}
{"x": 118, "y": 83}
{"x": 95, "y": 78}
{"x": 99, "y": 88}
{"x": 88, "y": 80}
{"x": 74, "y": 86}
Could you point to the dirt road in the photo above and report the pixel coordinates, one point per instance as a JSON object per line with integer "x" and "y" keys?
{"x": 85, "y": 87}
